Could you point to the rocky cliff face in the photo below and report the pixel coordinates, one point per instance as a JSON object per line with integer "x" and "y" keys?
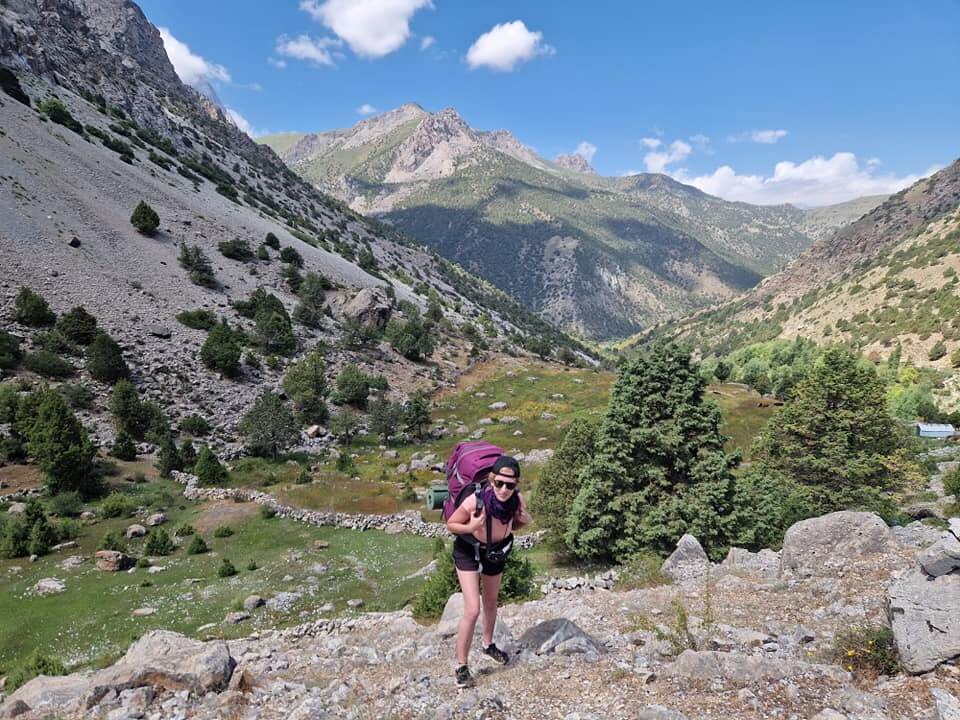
{"x": 577, "y": 163}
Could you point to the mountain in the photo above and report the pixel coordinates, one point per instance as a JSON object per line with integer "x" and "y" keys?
{"x": 889, "y": 278}
{"x": 95, "y": 120}
{"x": 603, "y": 257}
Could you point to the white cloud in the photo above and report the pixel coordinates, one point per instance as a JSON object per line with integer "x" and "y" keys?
{"x": 813, "y": 182}
{"x": 651, "y": 143}
{"x": 505, "y": 45}
{"x": 304, "y": 47}
{"x": 241, "y": 122}
{"x": 586, "y": 150}
{"x": 190, "y": 67}
{"x": 372, "y": 28}
{"x": 764, "y": 137}
{"x": 657, "y": 162}
{"x": 702, "y": 142}
{"x": 427, "y": 41}
{"x": 279, "y": 64}
{"x": 366, "y": 109}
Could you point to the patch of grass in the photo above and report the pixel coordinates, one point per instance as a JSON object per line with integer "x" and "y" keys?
{"x": 642, "y": 571}
{"x": 866, "y": 650}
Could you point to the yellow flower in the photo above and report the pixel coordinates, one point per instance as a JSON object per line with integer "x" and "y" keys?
{"x": 850, "y": 667}
{"x": 851, "y": 653}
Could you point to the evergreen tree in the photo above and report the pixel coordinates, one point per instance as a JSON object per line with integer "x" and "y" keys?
{"x": 272, "y": 241}
{"x": 128, "y": 414}
{"x": 42, "y": 536}
{"x": 385, "y": 417}
{"x": 145, "y": 219}
{"x": 345, "y": 425}
{"x": 269, "y": 427}
{"x": 353, "y": 386}
{"x": 312, "y": 293}
{"x": 168, "y": 459}
{"x": 659, "y": 469}
{"x": 413, "y": 340}
{"x": 306, "y": 384}
{"x": 208, "y": 468}
{"x": 123, "y": 447}
{"x": 221, "y": 352}
{"x": 722, "y": 371}
{"x": 58, "y": 443}
{"x": 416, "y": 416}
{"x": 10, "y": 353}
{"x": 78, "y": 326}
{"x": 275, "y": 331}
{"x": 105, "y": 360}
{"x": 559, "y": 480}
{"x": 187, "y": 453}
{"x": 31, "y": 309}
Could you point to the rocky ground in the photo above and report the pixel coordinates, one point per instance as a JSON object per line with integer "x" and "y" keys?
{"x": 757, "y": 643}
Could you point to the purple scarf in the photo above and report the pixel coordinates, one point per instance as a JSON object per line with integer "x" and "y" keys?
{"x": 502, "y": 511}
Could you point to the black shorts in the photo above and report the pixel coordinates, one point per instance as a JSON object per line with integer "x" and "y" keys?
{"x": 465, "y": 556}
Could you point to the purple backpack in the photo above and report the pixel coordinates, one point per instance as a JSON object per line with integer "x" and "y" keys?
{"x": 467, "y": 468}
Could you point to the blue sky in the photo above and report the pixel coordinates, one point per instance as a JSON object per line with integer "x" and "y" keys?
{"x": 809, "y": 103}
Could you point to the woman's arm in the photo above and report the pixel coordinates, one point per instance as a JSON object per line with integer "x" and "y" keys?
{"x": 521, "y": 517}
{"x": 463, "y": 522}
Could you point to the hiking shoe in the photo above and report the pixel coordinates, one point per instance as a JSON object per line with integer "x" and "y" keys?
{"x": 496, "y": 653}
{"x": 464, "y": 678}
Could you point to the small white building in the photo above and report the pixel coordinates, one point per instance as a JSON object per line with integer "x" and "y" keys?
{"x": 934, "y": 430}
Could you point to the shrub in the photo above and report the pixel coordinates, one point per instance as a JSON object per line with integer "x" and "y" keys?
{"x": 345, "y": 460}
{"x": 198, "y": 265}
{"x": 221, "y": 352}
{"x": 105, "y": 360}
{"x": 641, "y": 570}
{"x": 223, "y": 531}
{"x": 353, "y": 387}
{"x": 267, "y": 512}
{"x": 408, "y": 494}
{"x": 117, "y": 505}
{"x": 124, "y": 447}
{"x": 10, "y": 353}
{"x": 951, "y": 483}
{"x": 252, "y": 565}
{"x": 78, "y": 395}
{"x": 269, "y": 426}
{"x": 31, "y": 309}
{"x": 36, "y": 664}
{"x": 184, "y": 530}
{"x": 78, "y": 326}
{"x": 938, "y": 350}
{"x": 48, "y": 364}
{"x": 263, "y": 253}
{"x": 158, "y": 543}
{"x": 198, "y": 319}
{"x": 226, "y": 569}
{"x": 58, "y": 113}
{"x": 145, "y": 219}
{"x": 195, "y": 425}
{"x": 68, "y": 504}
{"x": 42, "y": 536}
{"x": 272, "y": 241}
{"x": 68, "y": 529}
{"x": 15, "y": 538}
{"x": 275, "y": 331}
{"x": 236, "y": 249}
{"x": 414, "y": 339}
{"x": 208, "y": 468}
{"x": 113, "y": 540}
{"x": 866, "y": 649}
{"x": 291, "y": 256}
{"x": 197, "y": 546}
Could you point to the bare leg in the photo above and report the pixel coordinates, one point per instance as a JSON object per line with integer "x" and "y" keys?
{"x": 491, "y": 592}
{"x": 469, "y": 584}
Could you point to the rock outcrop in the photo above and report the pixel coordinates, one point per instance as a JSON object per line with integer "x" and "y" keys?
{"x": 826, "y": 544}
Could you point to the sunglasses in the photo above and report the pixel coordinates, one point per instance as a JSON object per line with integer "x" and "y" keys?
{"x": 500, "y": 484}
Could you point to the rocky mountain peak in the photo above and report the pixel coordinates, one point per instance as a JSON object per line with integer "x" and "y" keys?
{"x": 575, "y": 162}
{"x": 433, "y": 148}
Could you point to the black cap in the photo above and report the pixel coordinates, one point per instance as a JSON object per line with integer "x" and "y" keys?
{"x": 505, "y": 461}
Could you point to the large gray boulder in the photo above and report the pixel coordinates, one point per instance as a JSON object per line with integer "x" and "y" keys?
{"x": 47, "y": 692}
{"x": 370, "y": 306}
{"x": 687, "y": 561}
{"x": 947, "y": 706}
{"x": 739, "y": 670}
{"x": 764, "y": 565}
{"x": 942, "y": 557}
{"x": 559, "y": 635}
{"x": 450, "y": 623}
{"x": 924, "y": 615}
{"x": 823, "y": 545}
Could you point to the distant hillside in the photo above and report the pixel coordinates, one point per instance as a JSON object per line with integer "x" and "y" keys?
{"x": 601, "y": 256}
{"x": 888, "y": 278}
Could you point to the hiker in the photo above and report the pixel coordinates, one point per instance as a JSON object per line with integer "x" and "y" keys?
{"x": 484, "y": 524}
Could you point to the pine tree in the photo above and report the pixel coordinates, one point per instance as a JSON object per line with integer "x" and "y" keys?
{"x": 559, "y": 480}
{"x": 659, "y": 469}
{"x": 269, "y": 427}
{"x": 208, "y": 468}
{"x": 145, "y": 219}
{"x": 123, "y": 447}
{"x": 306, "y": 384}
{"x": 58, "y": 443}
{"x": 416, "y": 416}
{"x": 105, "y": 360}
{"x": 168, "y": 459}
{"x": 385, "y": 417}
{"x": 187, "y": 453}
{"x": 221, "y": 352}
{"x": 78, "y": 326}
{"x": 31, "y": 309}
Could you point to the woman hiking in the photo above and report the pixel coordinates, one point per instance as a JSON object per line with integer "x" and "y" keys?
{"x": 484, "y": 524}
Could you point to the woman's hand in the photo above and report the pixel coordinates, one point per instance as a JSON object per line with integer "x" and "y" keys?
{"x": 477, "y": 521}
{"x": 521, "y": 517}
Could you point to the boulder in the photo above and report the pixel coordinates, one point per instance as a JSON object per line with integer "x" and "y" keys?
{"x": 687, "y": 561}
{"x": 954, "y": 526}
{"x": 370, "y": 306}
{"x": 498, "y": 405}
{"x": 823, "y": 545}
{"x": 355, "y": 603}
{"x": 112, "y": 560}
{"x": 764, "y": 564}
{"x": 135, "y": 531}
{"x": 88, "y": 515}
{"x": 659, "y": 712}
{"x": 948, "y": 707}
{"x": 49, "y": 586}
{"x": 314, "y": 430}
{"x": 144, "y": 612}
{"x": 450, "y": 623}
{"x": 540, "y": 456}
{"x": 236, "y": 617}
{"x": 741, "y": 670}
{"x": 73, "y": 562}
{"x": 156, "y": 519}
{"x": 253, "y": 602}
{"x": 942, "y": 557}
{"x": 46, "y": 692}
{"x": 923, "y": 615}
{"x": 160, "y": 331}
{"x": 548, "y": 636}
{"x": 17, "y": 509}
